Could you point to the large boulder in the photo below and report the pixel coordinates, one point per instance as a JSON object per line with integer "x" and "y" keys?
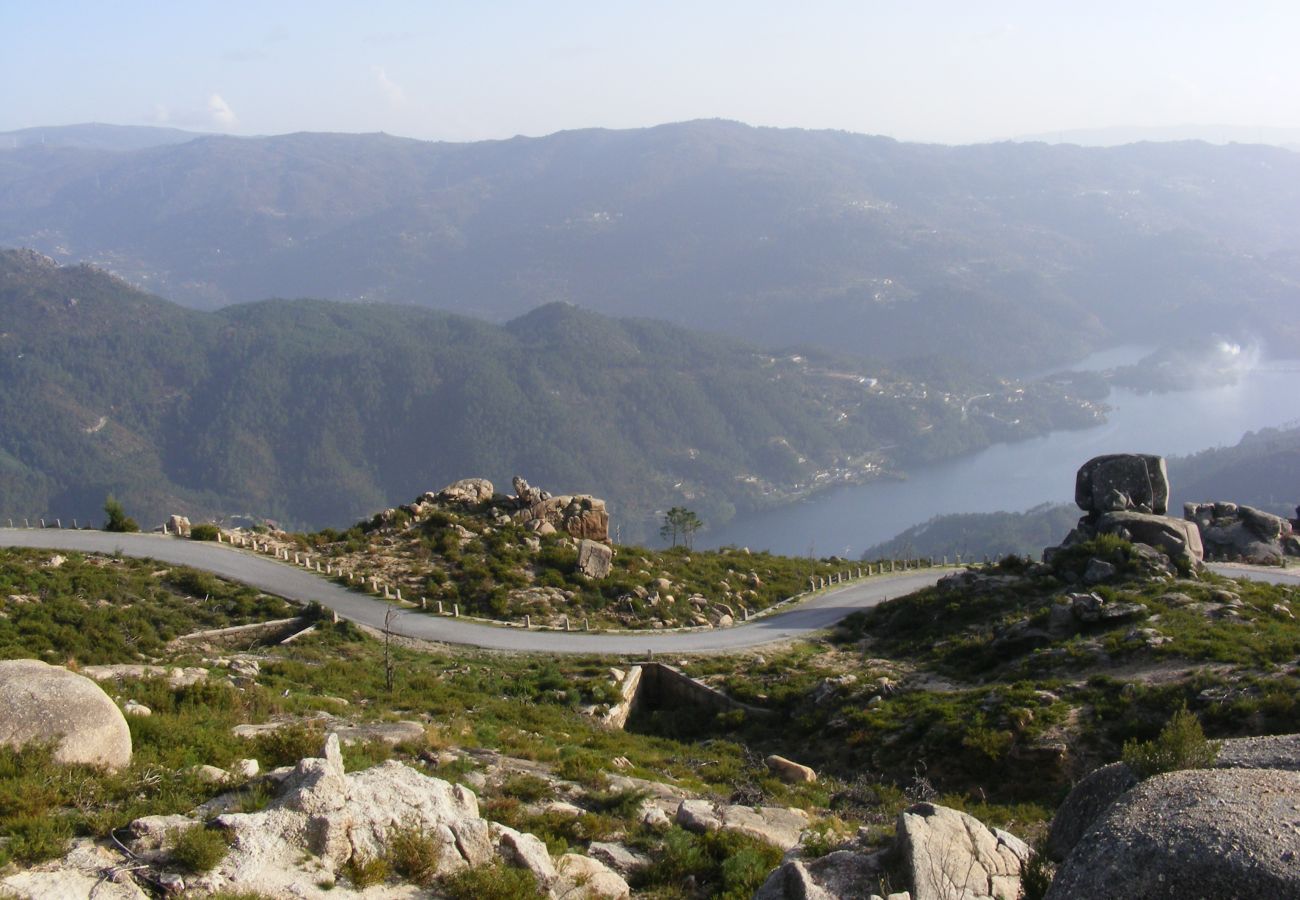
{"x": 948, "y": 853}
{"x": 467, "y": 490}
{"x": 1178, "y": 538}
{"x": 1123, "y": 481}
{"x": 1089, "y": 800}
{"x": 594, "y": 558}
{"x": 1195, "y": 833}
{"x": 1097, "y": 791}
{"x": 49, "y": 704}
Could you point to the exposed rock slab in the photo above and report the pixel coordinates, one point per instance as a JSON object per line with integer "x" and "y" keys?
{"x": 951, "y": 854}
{"x": 49, "y": 704}
{"x": 594, "y": 558}
{"x": 83, "y": 874}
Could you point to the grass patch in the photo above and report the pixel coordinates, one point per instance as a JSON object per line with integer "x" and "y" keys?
{"x": 494, "y": 882}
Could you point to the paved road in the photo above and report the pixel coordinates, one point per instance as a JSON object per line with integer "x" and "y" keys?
{"x": 297, "y": 584}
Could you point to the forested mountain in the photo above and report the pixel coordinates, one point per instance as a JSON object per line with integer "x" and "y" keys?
{"x": 1262, "y": 470}
{"x": 316, "y": 412}
{"x": 1012, "y": 255}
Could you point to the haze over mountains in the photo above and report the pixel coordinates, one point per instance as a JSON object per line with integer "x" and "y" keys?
{"x": 1010, "y": 255}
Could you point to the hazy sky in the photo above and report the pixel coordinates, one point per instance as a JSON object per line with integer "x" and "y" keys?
{"x": 935, "y": 71}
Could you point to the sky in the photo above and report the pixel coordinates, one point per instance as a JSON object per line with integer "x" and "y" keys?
{"x": 949, "y": 72}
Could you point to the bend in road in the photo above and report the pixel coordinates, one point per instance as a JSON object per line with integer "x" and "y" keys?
{"x": 302, "y": 586}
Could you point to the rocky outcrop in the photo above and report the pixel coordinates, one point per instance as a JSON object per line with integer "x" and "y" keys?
{"x": 48, "y": 704}
{"x": 1175, "y": 537}
{"x": 951, "y": 854}
{"x": 594, "y": 558}
{"x": 1123, "y": 481}
{"x": 1242, "y": 533}
{"x": 467, "y": 490}
{"x": 323, "y": 817}
{"x": 1196, "y": 833}
{"x": 179, "y": 525}
{"x": 1127, "y": 495}
{"x": 580, "y": 516}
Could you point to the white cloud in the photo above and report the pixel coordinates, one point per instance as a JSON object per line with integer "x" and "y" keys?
{"x": 221, "y": 113}
{"x": 392, "y": 90}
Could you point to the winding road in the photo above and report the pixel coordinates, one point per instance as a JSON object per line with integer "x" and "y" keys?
{"x": 303, "y": 586}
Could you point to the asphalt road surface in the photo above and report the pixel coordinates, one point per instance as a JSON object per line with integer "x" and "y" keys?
{"x": 303, "y": 586}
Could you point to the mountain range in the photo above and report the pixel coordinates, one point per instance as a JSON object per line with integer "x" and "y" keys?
{"x": 317, "y": 412}
{"x": 1013, "y": 255}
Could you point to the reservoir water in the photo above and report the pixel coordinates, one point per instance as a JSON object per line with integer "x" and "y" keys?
{"x": 1014, "y": 477}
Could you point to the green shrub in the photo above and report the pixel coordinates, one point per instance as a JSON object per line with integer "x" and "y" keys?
{"x": 586, "y": 767}
{"x": 623, "y": 804}
{"x": 494, "y": 882}
{"x": 413, "y": 853}
{"x": 200, "y": 849}
{"x": 204, "y": 532}
{"x": 525, "y": 787}
{"x": 733, "y": 865}
{"x": 1181, "y": 744}
{"x": 285, "y": 746}
{"x": 365, "y": 871}
{"x": 117, "y": 519}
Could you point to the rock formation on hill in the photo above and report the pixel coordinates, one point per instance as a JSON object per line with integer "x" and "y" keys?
{"x": 581, "y": 516}
{"x": 1243, "y": 533}
{"x": 1127, "y": 495}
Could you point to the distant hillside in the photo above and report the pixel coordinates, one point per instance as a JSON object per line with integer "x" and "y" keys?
{"x": 316, "y": 412}
{"x": 1261, "y": 470}
{"x": 1010, "y": 255}
{"x": 973, "y": 536}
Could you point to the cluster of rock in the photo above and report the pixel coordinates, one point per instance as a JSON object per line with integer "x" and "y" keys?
{"x": 580, "y": 516}
{"x": 320, "y": 819}
{"x": 1229, "y": 831}
{"x": 1242, "y": 533}
{"x": 1127, "y": 495}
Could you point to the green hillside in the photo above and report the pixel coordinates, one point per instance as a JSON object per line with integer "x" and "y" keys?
{"x": 315, "y": 413}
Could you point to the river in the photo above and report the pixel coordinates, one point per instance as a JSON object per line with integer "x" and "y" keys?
{"x": 1014, "y": 477}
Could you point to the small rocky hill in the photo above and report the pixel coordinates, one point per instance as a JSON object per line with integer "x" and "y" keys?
{"x": 550, "y": 558}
